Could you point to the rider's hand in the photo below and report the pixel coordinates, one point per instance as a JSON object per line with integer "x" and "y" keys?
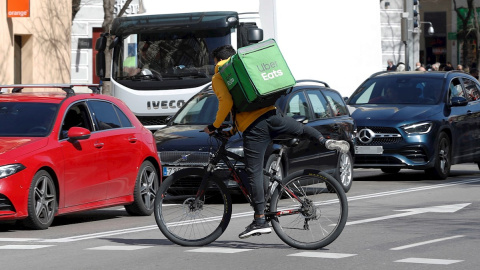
{"x": 339, "y": 145}
{"x": 208, "y": 129}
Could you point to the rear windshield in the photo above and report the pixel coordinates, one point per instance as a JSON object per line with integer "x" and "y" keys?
{"x": 26, "y": 119}
{"x": 398, "y": 90}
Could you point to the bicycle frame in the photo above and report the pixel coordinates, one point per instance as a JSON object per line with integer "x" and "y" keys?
{"x": 222, "y": 154}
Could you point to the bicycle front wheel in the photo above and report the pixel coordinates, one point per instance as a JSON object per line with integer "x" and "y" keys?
{"x": 187, "y": 222}
{"x": 319, "y": 220}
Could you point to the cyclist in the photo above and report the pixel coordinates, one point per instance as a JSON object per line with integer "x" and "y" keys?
{"x": 259, "y": 127}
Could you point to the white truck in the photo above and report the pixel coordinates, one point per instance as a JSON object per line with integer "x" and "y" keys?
{"x": 163, "y": 57}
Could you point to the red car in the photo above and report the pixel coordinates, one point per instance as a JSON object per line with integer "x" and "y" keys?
{"x": 66, "y": 152}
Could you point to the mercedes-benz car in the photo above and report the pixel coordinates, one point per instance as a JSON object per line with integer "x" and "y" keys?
{"x": 417, "y": 120}
{"x": 182, "y": 144}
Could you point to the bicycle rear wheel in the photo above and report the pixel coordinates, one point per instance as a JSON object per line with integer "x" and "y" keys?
{"x": 320, "y": 220}
{"x": 184, "y": 222}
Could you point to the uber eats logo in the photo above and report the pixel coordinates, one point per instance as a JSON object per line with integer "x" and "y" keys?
{"x": 268, "y": 70}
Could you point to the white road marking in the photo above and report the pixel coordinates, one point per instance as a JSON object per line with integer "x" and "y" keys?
{"x": 427, "y": 242}
{"x": 219, "y": 250}
{"x": 245, "y": 214}
{"x": 122, "y": 248}
{"x": 415, "y": 211}
{"x": 400, "y": 191}
{"x": 429, "y": 261}
{"x": 24, "y": 246}
{"x": 100, "y": 234}
{"x": 19, "y": 239}
{"x": 323, "y": 255}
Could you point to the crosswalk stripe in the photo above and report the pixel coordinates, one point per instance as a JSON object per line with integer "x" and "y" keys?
{"x": 429, "y": 261}
{"x": 218, "y": 250}
{"x": 324, "y": 255}
{"x": 128, "y": 248}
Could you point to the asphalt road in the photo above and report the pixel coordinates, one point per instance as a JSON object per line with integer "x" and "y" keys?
{"x": 401, "y": 221}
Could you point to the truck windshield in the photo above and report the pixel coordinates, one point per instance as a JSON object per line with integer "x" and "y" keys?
{"x": 167, "y": 60}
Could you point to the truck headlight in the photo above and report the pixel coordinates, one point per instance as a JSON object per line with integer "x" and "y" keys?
{"x": 420, "y": 128}
{"x": 8, "y": 170}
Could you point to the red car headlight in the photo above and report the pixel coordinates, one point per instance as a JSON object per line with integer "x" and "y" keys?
{"x": 7, "y": 170}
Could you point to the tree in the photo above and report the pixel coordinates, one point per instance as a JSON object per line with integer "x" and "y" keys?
{"x": 466, "y": 27}
{"x": 470, "y": 30}
{"x": 108, "y": 7}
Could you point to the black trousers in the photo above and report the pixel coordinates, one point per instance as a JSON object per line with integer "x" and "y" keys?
{"x": 256, "y": 139}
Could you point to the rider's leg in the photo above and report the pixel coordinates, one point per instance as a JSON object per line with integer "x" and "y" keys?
{"x": 255, "y": 141}
{"x": 279, "y": 124}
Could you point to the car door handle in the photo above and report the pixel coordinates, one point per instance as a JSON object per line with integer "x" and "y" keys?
{"x": 98, "y": 145}
{"x": 469, "y": 112}
{"x": 132, "y": 139}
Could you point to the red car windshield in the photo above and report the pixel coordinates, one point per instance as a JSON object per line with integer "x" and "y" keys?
{"x": 26, "y": 119}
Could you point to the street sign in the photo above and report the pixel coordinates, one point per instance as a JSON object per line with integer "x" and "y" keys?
{"x": 84, "y": 43}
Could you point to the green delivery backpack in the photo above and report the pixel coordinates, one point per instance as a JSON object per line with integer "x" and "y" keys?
{"x": 257, "y": 76}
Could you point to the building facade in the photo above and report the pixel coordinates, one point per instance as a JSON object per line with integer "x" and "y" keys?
{"x": 35, "y": 42}
{"x": 444, "y": 45}
{"x": 86, "y": 29}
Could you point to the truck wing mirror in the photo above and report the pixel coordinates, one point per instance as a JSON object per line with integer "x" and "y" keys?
{"x": 101, "y": 43}
{"x": 255, "y": 35}
{"x": 100, "y": 64}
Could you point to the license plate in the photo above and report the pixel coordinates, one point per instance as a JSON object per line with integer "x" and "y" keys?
{"x": 169, "y": 170}
{"x": 369, "y": 150}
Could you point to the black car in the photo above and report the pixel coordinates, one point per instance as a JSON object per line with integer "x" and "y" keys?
{"x": 417, "y": 120}
{"x": 181, "y": 144}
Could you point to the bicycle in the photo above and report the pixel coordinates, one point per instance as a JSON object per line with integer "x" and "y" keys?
{"x": 308, "y": 209}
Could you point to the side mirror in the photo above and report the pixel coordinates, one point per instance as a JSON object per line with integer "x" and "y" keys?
{"x": 254, "y": 35}
{"x": 458, "y": 101}
{"x": 101, "y": 43}
{"x": 100, "y": 64}
{"x": 78, "y": 133}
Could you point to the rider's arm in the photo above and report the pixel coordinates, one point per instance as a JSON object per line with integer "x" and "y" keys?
{"x": 225, "y": 102}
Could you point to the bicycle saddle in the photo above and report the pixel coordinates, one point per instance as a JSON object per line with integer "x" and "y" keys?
{"x": 287, "y": 142}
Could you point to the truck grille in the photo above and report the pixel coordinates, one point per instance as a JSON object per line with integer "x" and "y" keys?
{"x": 152, "y": 120}
{"x": 184, "y": 158}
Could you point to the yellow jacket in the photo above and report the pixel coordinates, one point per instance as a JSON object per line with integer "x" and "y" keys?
{"x": 225, "y": 104}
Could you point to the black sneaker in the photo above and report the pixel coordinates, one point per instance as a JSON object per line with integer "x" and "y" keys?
{"x": 255, "y": 229}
